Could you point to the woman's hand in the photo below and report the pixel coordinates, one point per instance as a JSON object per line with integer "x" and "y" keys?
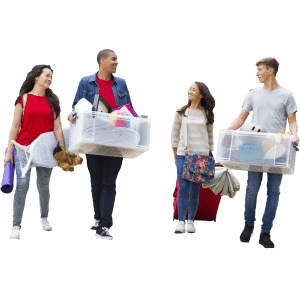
{"x": 71, "y": 117}
{"x": 8, "y": 157}
{"x": 14, "y": 130}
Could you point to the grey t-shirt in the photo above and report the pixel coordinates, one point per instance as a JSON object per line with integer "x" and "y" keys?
{"x": 270, "y": 108}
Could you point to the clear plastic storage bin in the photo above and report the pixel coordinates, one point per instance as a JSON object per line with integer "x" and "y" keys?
{"x": 98, "y": 133}
{"x": 256, "y": 151}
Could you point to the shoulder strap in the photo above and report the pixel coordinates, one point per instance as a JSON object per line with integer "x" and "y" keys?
{"x": 24, "y": 100}
{"x": 184, "y": 129}
{"x": 98, "y": 98}
{"x": 95, "y": 103}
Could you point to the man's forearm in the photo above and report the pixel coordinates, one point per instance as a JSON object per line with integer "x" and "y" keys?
{"x": 236, "y": 124}
{"x": 293, "y": 127}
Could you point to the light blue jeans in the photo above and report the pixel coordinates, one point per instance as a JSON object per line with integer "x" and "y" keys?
{"x": 43, "y": 179}
{"x": 253, "y": 185}
{"x": 186, "y": 188}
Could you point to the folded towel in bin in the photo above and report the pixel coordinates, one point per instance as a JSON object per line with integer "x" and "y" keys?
{"x": 119, "y": 137}
{"x": 101, "y": 131}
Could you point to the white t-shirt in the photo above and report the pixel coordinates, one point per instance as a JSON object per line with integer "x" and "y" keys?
{"x": 270, "y": 108}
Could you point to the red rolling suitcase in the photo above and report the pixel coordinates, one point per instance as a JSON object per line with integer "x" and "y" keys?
{"x": 208, "y": 203}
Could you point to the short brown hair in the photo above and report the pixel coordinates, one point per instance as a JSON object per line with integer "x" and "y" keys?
{"x": 269, "y": 63}
{"x": 103, "y": 54}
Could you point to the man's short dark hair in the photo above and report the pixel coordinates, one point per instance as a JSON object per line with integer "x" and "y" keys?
{"x": 269, "y": 63}
{"x": 103, "y": 54}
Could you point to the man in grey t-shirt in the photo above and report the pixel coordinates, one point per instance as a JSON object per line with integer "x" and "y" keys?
{"x": 272, "y": 105}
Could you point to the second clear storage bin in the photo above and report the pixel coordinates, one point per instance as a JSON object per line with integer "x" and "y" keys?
{"x": 256, "y": 151}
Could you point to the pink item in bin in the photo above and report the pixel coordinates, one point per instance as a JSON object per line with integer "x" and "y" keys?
{"x": 126, "y": 107}
{"x": 119, "y": 121}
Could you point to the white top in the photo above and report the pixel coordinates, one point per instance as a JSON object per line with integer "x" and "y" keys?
{"x": 270, "y": 108}
{"x": 200, "y": 139}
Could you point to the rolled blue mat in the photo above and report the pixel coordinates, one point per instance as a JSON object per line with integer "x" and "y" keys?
{"x": 8, "y": 176}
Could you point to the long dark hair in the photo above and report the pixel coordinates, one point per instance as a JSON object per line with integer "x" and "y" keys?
{"x": 208, "y": 102}
{"x": 28, "y": 85}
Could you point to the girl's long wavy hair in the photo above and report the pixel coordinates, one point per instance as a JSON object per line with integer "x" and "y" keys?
{"x": 28, "y": 85}
{"x": 208, "y": 102}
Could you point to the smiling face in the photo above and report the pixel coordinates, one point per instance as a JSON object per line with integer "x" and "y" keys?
{"x": 194, "y": 94}
{"x": 45, "y": 79}
{"x": 263, "y": 73}
{"x": 110, "y": 63}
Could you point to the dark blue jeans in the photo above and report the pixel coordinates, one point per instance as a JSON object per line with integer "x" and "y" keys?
{"x": 253, "y": 185}
{"x": 186, "y": 188}
{"x": 103, "y": 172}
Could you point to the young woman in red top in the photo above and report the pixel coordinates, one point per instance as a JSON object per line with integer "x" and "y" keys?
{"x": 41, "y": 114}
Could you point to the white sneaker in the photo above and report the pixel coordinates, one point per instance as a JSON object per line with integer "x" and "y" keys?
{"x": 46, "y": 225}
{"x": 190, "y": 228}
{"x": 15, "y": 233}
{"x": 180, "y": 227}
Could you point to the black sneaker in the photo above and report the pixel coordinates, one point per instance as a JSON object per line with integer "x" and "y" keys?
{"x": 246, "y": 234}
{"x": 266, "y": 241}
{"x": 103, "y": 233}
{"x": 96, "y": 226}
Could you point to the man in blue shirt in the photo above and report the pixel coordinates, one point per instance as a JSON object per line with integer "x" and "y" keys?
{"x": 272, "y": 105}
{"x": 103, "y": 169}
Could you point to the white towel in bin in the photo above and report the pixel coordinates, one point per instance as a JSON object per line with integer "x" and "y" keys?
{"x": 101, "y": 131}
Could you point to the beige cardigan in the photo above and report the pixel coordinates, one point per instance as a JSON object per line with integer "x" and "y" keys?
{"x": 200, "y": 139}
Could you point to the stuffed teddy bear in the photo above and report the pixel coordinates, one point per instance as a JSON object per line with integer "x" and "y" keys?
{"x": 251, "y": 127}
{"x": 66, "y": 160}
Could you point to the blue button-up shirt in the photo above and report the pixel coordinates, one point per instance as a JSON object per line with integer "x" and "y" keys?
{"x": 88, "y": 88}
